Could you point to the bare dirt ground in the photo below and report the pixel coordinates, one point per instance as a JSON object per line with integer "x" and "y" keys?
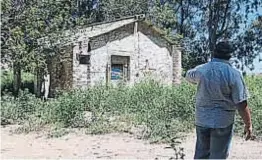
{"x": 111, "y": 146}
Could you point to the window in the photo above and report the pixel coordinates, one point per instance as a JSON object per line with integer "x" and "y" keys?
{"x": 120, "y": 68}
{"x": 84, "y": 59}
{"x": 116, "y": 72}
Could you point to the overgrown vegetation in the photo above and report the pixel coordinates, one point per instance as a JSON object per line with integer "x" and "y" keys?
{"x": 7, "y": 79}
{"x": 154, "y": 111}
{"x": 200, "y": 24}
{"x": 255, "y": 103}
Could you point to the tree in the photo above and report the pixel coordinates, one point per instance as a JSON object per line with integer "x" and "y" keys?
{"x": 12, "y": 43}
{"x": 249, "y": 45}
{"x": 23, "y": 22}
{"x": 114, "y": 9}
{"x": 213, "y": 21}
{"x": 162, "y": 15}
{"x": 258, "y": 23}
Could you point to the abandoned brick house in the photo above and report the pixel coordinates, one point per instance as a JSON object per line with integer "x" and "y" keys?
{"x": 127, "y": 49}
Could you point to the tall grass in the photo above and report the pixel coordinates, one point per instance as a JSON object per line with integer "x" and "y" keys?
{"x": 163, "y": 111}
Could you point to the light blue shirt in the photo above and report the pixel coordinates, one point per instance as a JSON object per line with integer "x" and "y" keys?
{"x": 220, "y": 89}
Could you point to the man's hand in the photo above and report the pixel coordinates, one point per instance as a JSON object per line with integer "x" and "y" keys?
{"x": 248, "y": 132}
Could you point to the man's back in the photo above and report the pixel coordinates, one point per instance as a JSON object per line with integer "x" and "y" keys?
{"x": 221, "y": 90}
{"x": 214, "y": 87}
{"x": 215, "y": 99}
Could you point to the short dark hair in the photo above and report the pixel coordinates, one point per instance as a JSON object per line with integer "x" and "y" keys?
{"x": 223, "y": 50}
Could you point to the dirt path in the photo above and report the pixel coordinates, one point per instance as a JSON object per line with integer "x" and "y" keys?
{"x": 114, "y": 146}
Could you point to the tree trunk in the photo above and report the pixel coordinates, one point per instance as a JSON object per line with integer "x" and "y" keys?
{"x": 213, "y": 25}
{"x": 212, "y": 42}
{"x": 181, "y": 28}
{"x": 17, "y": 78}
{"x": 38, "y": 82}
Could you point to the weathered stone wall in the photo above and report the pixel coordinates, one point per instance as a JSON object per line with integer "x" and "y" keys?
{"x": 103, "y": 47}
{"x": 149, "y": 54}
{"x": 60, "y": 68}
{"x": 81, "y": 77}
{"x": 66, "y": 68}
{"x": 154, "y": 54}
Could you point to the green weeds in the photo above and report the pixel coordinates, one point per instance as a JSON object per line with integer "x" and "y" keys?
{"x": 148, "y": 109}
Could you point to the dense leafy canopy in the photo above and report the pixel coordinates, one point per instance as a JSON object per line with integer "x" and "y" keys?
{"x": 201, "y": 23}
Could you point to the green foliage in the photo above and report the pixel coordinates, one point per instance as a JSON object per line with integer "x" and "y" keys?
{"x": 24, "y": 22}
{"x": 160, "y": 112}
{"x": 19, "y": 109}
{"x": 204, "y": 23}
{"x": 200, "y": 22}
{"x": 161, "y": 108}
{"x": 7, "y": 81}
{"x": 69, "y": 108}
{"x": 162, "y": 14}
{"x": 113, "y": 9}
{"x": 255, "y": 101}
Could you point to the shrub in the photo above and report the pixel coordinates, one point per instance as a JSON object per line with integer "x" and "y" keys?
{"x": 18, "y": 109}
{"x": 68, "y": 109}
{"x": 161, "y": 111}
{"x": 254, "y": 84}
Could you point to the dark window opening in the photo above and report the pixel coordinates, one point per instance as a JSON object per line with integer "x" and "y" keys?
{"x": 84, "y": 59}
{"x": 120, "y": 69}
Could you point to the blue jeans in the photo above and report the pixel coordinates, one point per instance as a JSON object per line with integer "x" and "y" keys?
{"x": 213, "y": 143}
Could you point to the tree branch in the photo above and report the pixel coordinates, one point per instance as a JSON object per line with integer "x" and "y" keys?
{"x": 223, "y": 29}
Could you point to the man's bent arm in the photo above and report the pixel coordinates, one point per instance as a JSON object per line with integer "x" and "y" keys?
{"x": 193, "y": 75}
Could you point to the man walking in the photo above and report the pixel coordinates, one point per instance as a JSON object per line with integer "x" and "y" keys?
{"x": 221, "y": 91}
